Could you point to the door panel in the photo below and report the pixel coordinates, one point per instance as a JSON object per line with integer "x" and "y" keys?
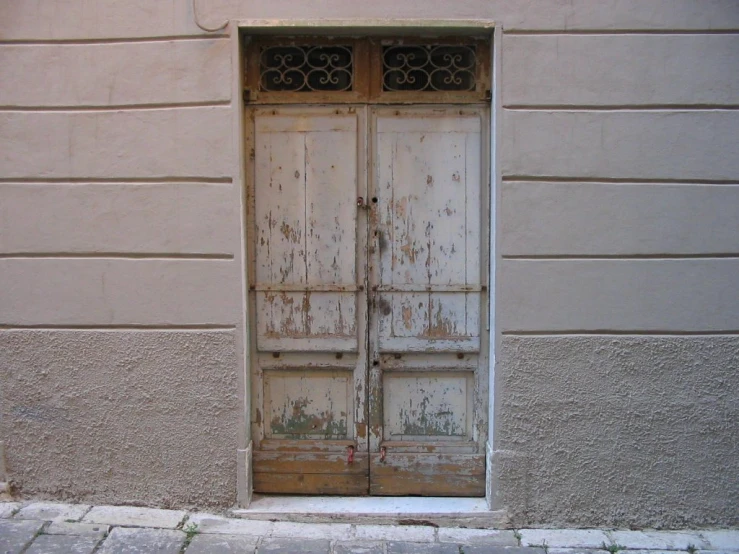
{"x": 428, "y": 391}
{"x": 308, "y": 404}
{"x": 308, "y": 300}
{"x": 427, "y": 474}
{"x": 427, "y": 405}
{"x": 306, "y": 175}
{"x": 428, "y": 189}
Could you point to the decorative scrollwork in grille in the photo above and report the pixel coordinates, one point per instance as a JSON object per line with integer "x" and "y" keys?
{"x": 428, "y": 67}
{"x": 306, "y": 68}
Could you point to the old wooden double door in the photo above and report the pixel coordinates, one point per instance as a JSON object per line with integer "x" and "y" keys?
{"x": 368, "y": 305}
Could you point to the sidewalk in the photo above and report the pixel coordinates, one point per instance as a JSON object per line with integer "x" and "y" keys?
{"x": 52, "y": 528}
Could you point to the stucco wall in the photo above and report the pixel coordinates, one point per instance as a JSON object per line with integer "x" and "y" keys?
{"x": 622, "y": 431}
{"x": 617, "y": 200}
{"x": 138, "y": 417}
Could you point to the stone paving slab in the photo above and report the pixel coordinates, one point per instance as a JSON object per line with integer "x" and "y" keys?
{"x": 657, "y": 540}
{"x": 560, "y": 550}
{"x": 52, "y": 511}
{"x": 7, "y": 509}
{"x": 79, "y": 529}
{"x": 407, "y": 533}
{"x": 421, "y": 548}
{"x": 572, "y": 538}
{"x": 16, "y": 535}
{"x": 492, "y": 549}
{"x": 124, "y": 540}
{"x": 722, "y": 539}
{"x": 62, "y": 544}
{"x": 477, "y": 536}
{"x": 363, "y": 547}
{"x": 290, "y": 546}
{"x": 222, "y": 544}
{"x": 330, "y": 531}
{"x": 142, "y": 517}
{"x": 648, "y": 551}
{"x": 208, "y": 523}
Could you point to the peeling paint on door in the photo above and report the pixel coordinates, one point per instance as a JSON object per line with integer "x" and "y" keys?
{"x": 367, "y": 335}
{"x": 305, "y": 217}
{"x": 429, "y": 201}
{"x": 428, "y": 278}
{"x": 426, "y": 405}
{"x": 308, "y": 404}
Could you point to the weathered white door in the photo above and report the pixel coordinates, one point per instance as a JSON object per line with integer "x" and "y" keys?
{"x": 308, "y": 300}
{"x": 428, "y": 385}
{"x": 367, "y": 302}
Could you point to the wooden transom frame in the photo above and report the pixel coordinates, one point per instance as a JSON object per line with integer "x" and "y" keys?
{"x": 368, "y": 72}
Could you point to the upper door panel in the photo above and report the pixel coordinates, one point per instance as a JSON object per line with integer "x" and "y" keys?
{"x": 428, "y": 179}
{"x": 305, "y": 219}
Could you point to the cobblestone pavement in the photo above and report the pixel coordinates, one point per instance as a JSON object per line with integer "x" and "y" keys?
{"x": 53, "y": 528}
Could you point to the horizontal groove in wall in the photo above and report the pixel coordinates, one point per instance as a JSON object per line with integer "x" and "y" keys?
{"x": 53, "y": 42}
{"x": 115, "y": 255}
{"x": 616, "y": 180}
{"x": 620, "y": 32}
{"x": 115, "y": 180}
{"x": 194, "y": 327}
{"x": 117, "y": 107}
{"x": 623, "y": 108}
{"x": 525, "y": 257}
{"x": 607, "y": 332}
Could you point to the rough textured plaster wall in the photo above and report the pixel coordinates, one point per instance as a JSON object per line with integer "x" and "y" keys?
{"x": 619, "y": 431}
{"x": 134, "y": 417}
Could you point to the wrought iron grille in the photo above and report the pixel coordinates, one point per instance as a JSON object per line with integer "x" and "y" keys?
{"x": 429, "y": 67}
{"x": 306, "y": 68}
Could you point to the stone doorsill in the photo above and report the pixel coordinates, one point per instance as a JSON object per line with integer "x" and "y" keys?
{"x": 434, "y": 511}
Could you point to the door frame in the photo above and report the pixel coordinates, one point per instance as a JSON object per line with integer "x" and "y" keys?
{"x": 238, "y": 31}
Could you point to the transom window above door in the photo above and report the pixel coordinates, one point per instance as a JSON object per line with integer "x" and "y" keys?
{"x": 310, "y": 70}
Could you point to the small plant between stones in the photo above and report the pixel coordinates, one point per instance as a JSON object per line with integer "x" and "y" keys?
{"x": 612, "y": 548}
{"x": 543, "y": 545}
{"x": 190, "y": 531}
{"x": 517, "y": 536}
{"x": 691, "y": 549}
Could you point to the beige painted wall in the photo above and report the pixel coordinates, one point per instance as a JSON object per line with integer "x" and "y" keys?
{"x": 121, "y": 320}
{"x": 617, "y": 246}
